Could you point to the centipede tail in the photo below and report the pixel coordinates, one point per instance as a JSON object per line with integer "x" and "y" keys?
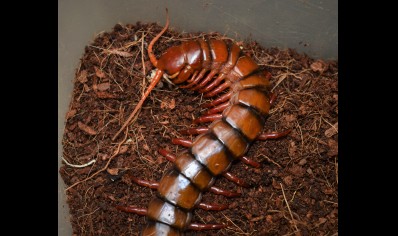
{"x": 237, "y": 119}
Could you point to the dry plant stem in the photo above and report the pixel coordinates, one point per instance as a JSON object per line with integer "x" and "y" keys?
{"x": 237, "y": 227}
{"x": 78, "y": 166}
{"x": 288, "y": 207}
{"x": 143, "y": 62}
{"x": 105, "y": 167}
{"x": 270, "y": 160}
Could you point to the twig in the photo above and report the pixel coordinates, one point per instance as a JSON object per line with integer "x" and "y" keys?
{"x": 288, "y": 207}
{"x": 242, "y": 232}
{"x": 143, "y": 63}
{"x": 333, "y": 126}
{"x": 88, "y": 214}
{"x": 281, "y": 78}
{"x": 105, "y": 167}
{"x": 78, "y": 166}
{"x": 270, "y": 160}
{"x": 336, "y": 166}
{"x": 301, "y": 135}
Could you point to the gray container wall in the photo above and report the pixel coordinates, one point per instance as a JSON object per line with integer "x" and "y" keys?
{"x": 308, "y": 26}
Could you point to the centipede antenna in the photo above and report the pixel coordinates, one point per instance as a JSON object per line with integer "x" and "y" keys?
{"x": 155, "y": 81}
{"x": 152, "y": 56}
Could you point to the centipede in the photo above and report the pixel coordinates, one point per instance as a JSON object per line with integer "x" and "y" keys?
{"x": 241, "y": 103}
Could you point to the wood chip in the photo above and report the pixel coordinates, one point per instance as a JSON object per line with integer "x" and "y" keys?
{"x": 103, "y": 86}
{"x": 288, "y": 180}
{"x": 86, "y": 88}
{"x": 332, "y": 130}
{"x": 275, "y": 184}
{"x": 168, "y": 105}
{"x": 70, "y": 114}
{"x": 82, "y": 77}
{"x": 104, "y": 94}
{"x": 172, "y": 104}
{"x": 302, "y": 162}
{"x": 113, "y": 171}
{"x": 85, "y": 128}
{"x": 123, "y": 149}
{"x": 99, "y": 73}
{"x": 319, "y": 66}
{"x": 297, "y": 170}
{"x": 117, "y": 52}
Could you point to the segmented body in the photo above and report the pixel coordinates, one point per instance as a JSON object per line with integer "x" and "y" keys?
{"x": 209, "y": 66}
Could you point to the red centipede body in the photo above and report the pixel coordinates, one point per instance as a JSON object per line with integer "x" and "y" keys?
{"x": 237, "y": 116}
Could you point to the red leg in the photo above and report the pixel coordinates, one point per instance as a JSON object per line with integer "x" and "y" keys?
{"x": 207, "y": 118}
{"x": 200, "y": 130}
{"x": 206, "y": 80}
{"x": 274, "y": 135}
{"x": 217, "y": 90}
{"x": 212, "y": 207}
{"x": 217, "y": 109}
{"x": 273, "y": 98}
{"x": 136, "y": 210}
{"x": 213, "y": 84}
{"x": 144, "y": 211}
{"x": 199, "y": 227}
{"x": 182, "y": 142}
{"x": 223, "y": 192}
{"x": 194, "y": 79}
{"x": 236, "y": 180}
{"x": 217, "y": 101}
{"x": 144, "y": 183}
{"x": 170, "y": 157}
{"x": 250, "y": 162}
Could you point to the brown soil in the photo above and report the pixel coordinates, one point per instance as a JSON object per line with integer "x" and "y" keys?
{"x": 296, "y": 187}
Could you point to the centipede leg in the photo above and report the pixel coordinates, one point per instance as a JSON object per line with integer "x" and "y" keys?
{"x": 272, "y": 98}
{"x": 135, "y": 210}
{"x": 182, "y": 142}
{"x": 195, "y": 80}
{"x": 212, "y": 207}
{"x": 189, "y": 80}
{"x": 236, "y": 180}
{"x": 144, "y": 211}
{"x": 216, "y": 82}
{"x": 206, "y": 80}
{"x": 199, "y": 227}
{"x": 274, "y": 135}
{"x": 170, "y": 157}
{"x": 207, "y": 118}
{"x": 250, "y": 162}
{"x": 217, "y": 90}
{"x": 217, "y": 109}
{"x": 191, "y": 131}
{"x": 145, "y": 183}
{"x": 217, "y": 101}
{"x": 223, "y": 192}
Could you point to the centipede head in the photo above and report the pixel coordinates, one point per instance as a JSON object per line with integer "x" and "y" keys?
{"x": 171, "y": 61}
